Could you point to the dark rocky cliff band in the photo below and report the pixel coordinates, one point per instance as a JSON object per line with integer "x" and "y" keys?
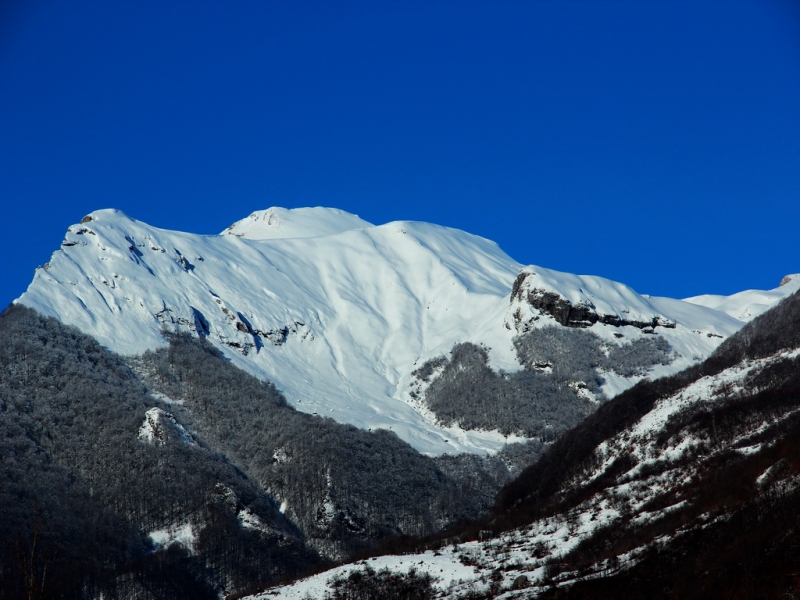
{"x": 574, "y": 315}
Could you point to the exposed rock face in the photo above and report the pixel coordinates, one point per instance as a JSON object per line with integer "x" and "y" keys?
{"x": 569, "y": 314}
{"x": 236, "y": 330}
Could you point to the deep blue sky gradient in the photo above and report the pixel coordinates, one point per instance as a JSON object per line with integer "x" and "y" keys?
{"x": 654, "y": 143}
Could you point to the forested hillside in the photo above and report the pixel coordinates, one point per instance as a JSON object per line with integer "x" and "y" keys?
{"x": 80, "y": 492}
{"x": 175, "y": 474}
{"x": 344, "y": 487}
{"x": 559, "y": 385}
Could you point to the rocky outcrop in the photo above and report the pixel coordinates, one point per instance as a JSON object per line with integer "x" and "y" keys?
{"x": 234, "y": 330}
{"x": 529, "y": 303}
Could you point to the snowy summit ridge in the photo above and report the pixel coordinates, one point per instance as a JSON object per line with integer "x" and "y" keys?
{"x": 276, "y": 222}
{"x": 338, "y": 312}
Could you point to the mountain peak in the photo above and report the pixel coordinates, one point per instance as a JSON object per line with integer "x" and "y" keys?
{"x": 278, "y": 223}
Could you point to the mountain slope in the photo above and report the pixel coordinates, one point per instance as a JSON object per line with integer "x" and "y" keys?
{"x": 748, "y": 304}
{"x": 339, "y": 314}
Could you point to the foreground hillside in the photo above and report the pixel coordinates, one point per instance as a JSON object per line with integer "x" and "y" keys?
{"x": 686, "y": 487}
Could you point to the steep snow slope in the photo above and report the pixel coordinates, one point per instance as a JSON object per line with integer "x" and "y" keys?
{"x": 335, "y": 311}
{"x": 750, "y": 303}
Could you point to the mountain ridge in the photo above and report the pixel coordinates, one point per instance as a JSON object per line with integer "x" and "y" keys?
{"x": 322, "y": 300}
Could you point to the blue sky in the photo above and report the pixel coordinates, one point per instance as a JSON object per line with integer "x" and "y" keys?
{"x": 654, "y": 143}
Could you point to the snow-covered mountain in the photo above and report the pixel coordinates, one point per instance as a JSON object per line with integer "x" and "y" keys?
{"x": 339, "y": 313}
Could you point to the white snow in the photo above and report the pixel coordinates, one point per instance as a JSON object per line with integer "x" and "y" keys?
{"x": 705, "y": 389}
{"x": 251, "y": 520}
{"x": 444, "y": 566}
{"x": 164, "y": 398}
{"x": 750, "y": 303}
{"x": 335, "y": 311}
{"x": 276, "y": 222}
{"x": 183, "y": 535}
{"x": 606, "y": 296}
{"x": 153, "y": 429}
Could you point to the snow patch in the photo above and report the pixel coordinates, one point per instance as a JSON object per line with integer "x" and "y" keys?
{"x": 184, "y": 535}
{"x": 164, "y": 398}
{"x": 250, "y": 520}
{"x": 156, "y": 427}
